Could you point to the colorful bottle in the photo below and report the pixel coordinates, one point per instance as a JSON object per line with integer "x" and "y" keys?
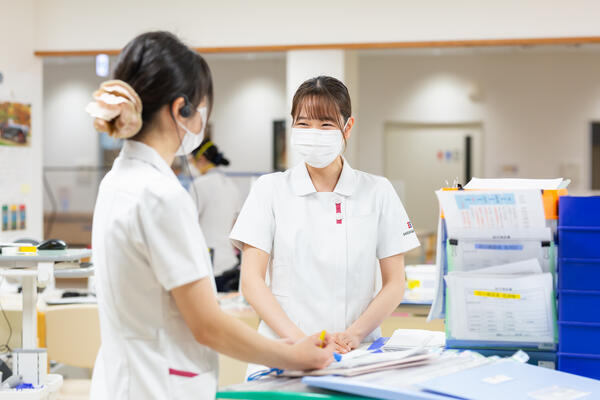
{"x": 22, "y": 217}
{"x": 13, "y": 217}
{"x": 5, "y": 217}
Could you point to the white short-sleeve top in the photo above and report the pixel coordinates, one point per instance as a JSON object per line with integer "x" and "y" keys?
{"x": 324, "y": 245}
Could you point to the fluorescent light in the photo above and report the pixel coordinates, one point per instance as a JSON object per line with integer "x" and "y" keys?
{"x": 102, "y": 65}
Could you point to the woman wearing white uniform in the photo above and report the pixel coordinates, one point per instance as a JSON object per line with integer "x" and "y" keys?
{"x": 218, "y": 202}
{"x": 319, "y": 228}
{"x": 159, "y": 318}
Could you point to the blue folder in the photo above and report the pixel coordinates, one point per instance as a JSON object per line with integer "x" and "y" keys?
{"x": 509, "y": 379}
{"x": 360, "y": 388}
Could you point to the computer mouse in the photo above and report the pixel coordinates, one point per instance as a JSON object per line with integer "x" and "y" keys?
{"x": 52, "y": 244}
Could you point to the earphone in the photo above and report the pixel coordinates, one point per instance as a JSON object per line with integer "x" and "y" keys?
{"x": 186, "y": 110}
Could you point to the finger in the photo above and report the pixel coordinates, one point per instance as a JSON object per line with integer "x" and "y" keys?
{"x": 330, "y": 346}
{"x": 315, "y": 339}
{"x": 326, "y": 361}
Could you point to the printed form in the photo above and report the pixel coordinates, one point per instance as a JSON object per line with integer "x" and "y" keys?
{"x": 506, "y": 307}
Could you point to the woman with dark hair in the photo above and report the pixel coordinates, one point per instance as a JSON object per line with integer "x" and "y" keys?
{"x": 218, "y": 201}
{"x": 160, "y": 320}
{"x": 322, "y": 229}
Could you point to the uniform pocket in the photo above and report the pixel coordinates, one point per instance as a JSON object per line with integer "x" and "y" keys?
{"x": 198, "y": 387}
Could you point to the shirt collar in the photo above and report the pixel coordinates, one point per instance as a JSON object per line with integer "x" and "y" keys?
{"x": 302, "y": 184}
{"x": 141, "y": 151}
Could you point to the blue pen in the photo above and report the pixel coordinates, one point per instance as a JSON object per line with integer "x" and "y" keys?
{"x": 337, "y": 357}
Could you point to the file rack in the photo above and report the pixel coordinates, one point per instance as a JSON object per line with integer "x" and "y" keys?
{"x": 579, "y": 285}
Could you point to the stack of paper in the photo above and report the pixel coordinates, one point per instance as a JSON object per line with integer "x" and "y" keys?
{"x": 404, "y": 339}
{"x": 401, "y": 383}
{"x": 369, "y": 362}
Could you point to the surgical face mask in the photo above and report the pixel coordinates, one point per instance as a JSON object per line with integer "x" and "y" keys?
{"x": 192, "y": 140}
{"x": 318, "y": 147}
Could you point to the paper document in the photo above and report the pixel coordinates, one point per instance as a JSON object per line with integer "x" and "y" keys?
{"x": 420, "y": 283}
{"x": 512, "y": 184}
{"x": 472, "y": 254}
{"x": 401, "y": 383}
{"x": 527, "y": 267}
{"x": 369, "y": 362}
{"x": 501, "y": 307}
{"x": 403, "y": 339}
{"x": 519, "y": 209}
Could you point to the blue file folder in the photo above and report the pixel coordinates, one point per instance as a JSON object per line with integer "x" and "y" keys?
{"x": 509, "y": 379}
{"x": 360, "y": 388}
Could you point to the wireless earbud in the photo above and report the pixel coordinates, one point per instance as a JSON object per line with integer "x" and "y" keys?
{"x": 186, "y": 110}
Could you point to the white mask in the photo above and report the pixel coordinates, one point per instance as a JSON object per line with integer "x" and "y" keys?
{"x": 192, "y": 140}
{"x": 318, "y": 147}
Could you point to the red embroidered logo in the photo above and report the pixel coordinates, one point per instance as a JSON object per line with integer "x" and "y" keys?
{"x": 409, "y": 225}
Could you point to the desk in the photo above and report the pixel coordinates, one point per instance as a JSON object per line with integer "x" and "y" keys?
{"x": 33, "y": 270}
{"x": 410, "y": 315}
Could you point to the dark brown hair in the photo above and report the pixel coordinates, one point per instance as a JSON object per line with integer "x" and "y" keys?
{"x": 210, "y": 151}
{"x": 160, "y": 68}
{"x": 323, "y": 98}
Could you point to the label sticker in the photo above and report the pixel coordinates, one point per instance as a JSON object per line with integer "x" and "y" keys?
{"x": 413, "y": 283}
{"x": 557, "y": 393}
{"x": 494, "y": 380}
{"x": 500, "y": 295}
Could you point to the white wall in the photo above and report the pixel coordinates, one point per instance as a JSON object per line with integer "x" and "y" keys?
{"x": 535, "y": 107}
{"x": 22, "y": 83}
{"x": 75, "y": 24}
{"x": 249, "y": 96}
{"x": 71, "y": 140}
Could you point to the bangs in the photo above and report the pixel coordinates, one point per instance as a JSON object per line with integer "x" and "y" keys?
{"x": 319, "y": 106}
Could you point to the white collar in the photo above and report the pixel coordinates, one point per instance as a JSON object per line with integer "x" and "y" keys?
{"x": 141, "y": 151}
{"x": 302, "y": 184}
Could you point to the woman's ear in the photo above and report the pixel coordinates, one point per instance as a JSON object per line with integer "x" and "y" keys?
{"x": 348, "y": 128}
{"x": 176, "y": 106}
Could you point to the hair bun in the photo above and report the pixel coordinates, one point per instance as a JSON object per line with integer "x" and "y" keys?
{"x": 117, "y": 109}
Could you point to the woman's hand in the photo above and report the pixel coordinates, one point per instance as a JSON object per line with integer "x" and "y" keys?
{"x": 345, "y": 342}
{"x": 307, "y": 353}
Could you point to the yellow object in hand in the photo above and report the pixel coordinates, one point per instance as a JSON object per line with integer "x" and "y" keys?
{"x": 322, "y": 337}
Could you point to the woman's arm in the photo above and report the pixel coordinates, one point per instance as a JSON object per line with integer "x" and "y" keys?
{"x": 214, "y": 328}
{"x": 386, "y": 301}
{"x": 256, "y": 292}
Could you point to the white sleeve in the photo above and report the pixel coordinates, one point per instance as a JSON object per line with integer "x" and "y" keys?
{"x": 395, "y": 233}
{"x": 175, "y": 245}
{"x": 255, "y": 225}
